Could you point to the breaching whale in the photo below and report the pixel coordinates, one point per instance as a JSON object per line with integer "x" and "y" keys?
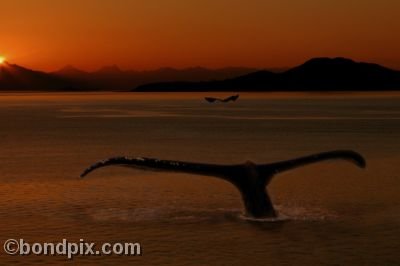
{"x": 249, "y": 178}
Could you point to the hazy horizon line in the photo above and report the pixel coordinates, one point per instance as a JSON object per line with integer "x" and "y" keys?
{"x": 116, "y": 66}
{"x": 145, "y": 69}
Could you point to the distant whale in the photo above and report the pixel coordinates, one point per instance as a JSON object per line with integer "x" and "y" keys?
{"x": 230, "y": 98}
{"x": 249, "y": 178}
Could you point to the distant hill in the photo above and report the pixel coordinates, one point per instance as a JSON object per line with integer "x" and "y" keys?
{"x": 70, "y": 72}
{"x": 14, "y": 78}
{"x": 108, "y": 78}
{"x": 113, "y": 78}
{"x": 318, "y": 74}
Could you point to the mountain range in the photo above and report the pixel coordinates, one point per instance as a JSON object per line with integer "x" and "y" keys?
{"x": 17, "y": 78}
{"x": 317, "y": 74}
{"x": 110, "y": 78}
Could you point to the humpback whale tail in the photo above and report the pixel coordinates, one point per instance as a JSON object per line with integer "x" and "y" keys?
{"x": 249, "y": 178}
{"x": 225, "y": 100}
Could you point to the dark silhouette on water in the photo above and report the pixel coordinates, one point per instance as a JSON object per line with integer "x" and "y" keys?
{"x": 249, "y": 178}
{"x": 228, "y": 99}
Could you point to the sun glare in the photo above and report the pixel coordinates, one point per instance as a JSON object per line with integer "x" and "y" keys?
{"x": 2, "y": 59}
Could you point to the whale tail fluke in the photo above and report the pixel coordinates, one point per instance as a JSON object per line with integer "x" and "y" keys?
{"x": 347, "y": 155}
{"x": 225, "y": 100}
{"x": 222, "y": 171}
{"x": 249, "y": 178}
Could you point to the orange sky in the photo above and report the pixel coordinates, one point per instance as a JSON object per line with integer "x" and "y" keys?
{"x": 146, "y": 34}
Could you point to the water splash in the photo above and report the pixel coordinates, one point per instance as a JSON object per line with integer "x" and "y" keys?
{"x": 173, "y": 214}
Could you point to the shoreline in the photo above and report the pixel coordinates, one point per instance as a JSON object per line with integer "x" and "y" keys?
{"x": 127, "y": 96}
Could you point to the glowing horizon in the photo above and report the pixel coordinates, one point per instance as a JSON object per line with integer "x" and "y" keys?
{"x": 48, "y": 35}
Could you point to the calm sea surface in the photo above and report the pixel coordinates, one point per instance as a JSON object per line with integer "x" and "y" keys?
{"x": 331, "y": 213}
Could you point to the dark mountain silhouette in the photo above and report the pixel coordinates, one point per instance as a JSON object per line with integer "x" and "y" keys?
{"x": 318, "y": 74}
{"x": 113, "y": 78}
{"x": 70, "y": 72}
{"x": 109, "y": 70}
{"x": 14, "y": 78}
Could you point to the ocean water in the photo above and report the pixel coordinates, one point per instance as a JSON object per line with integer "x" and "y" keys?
{"x": 330, "y": 213}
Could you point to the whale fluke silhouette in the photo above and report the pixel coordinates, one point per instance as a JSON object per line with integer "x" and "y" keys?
{"x": 249, "y": 178}
{"x": 225, "y": 100}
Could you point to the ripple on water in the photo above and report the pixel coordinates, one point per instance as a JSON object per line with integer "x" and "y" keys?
{"x": 182, "y": 215}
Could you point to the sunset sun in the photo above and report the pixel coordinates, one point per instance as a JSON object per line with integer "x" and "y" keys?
{"x": 2, "y": 59}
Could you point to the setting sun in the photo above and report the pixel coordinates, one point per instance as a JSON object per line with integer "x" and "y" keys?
{"x": 2, "y": 59}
